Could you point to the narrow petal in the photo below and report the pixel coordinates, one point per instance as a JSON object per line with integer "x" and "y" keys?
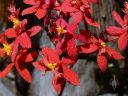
{"x": 6, "y": 70}
{"x": 58, "y": 82}
{"x": 90, "y": 21}
{"x": 25, "y": 41}
{"x": 66, "y": 9}
{"x": 40, "y": 13}
{"x": 3, "y": 39}
{"x": 88, "y": 37}
{"x": 122, "y": 41}
{"x": 68, "y": 61}
{"x": 31, "y": 56}
{"x": 15, "y": 46}
{"x": 39, "y": 66}
{"x": 27, "y": 57}
{"x": 10, "y": 33}
{"x": 102, "y": 62}
{"x": 80, "y": 37}
{"x": 114, "y": 54}
{"x": 34, "y": 30}
{"x": 70, "y": 76}
{"x": 2, "y": 53}
{"x": 23, "y": 71}
{"x": 51, "y": 55}
{"x": 31, "y": 2}
{"x": 118, "y": 18}
{"x": 23, "y": 24}
{"x": 29, "y": 10}
{"x": 88, "y": 48}
{"x": 77, "y": 17}
{"x": 114, "y": 31}
{"x": 71, "y": 47}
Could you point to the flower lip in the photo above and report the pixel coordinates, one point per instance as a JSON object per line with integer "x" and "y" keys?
{"x": 60, "y": 30}
{"x": 103, "y": 44}
{"x": 15, "y": 22}
{"x": 7, "y": 49}
{"x": 52, "y": 66}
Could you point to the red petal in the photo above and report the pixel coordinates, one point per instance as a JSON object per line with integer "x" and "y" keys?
{"x": 29, "y": 10}
{"x": 118, "y": 18}
{"x": 77, "y": 17}
{"x": 71, "y": 47}
{"x": 87, "y": 36}
{"x": 34, "y": 30}
{"x": 102, "y": 62}
{"x": 40, "y": 13}
{"x": 23, "y": 72}
{"x": 66, "y": 9}
{"x": 25, "y": 41}
{"x": 39, "y": 66}
{"x": 51, "y": 55}
{"x": 122, "y": 41}
{"x": 2, "y": 53}
{"x": 15, "y": 46}
{"x": 23, "y": 24}
{"x": 88, "y": 48}
{"x": 70, "y": 76}
{"x": 79, "y": 37}
{"x": 31, "y": 56}
{"x": 3, "y": 39}
{"x": 114, "y": 54}
{"x": 6, "y": 70}
{"x": 114, "y": 31}
{"x": 90, "y": 21}
{"x": 30, "y": 2}
{"x": 10, "y": 33}
{"x": 85, "y": 33}
{"x": 61, "y": 22}
{"x": 27, "y": 57}
{"x": 68, "y": 61}
{"x": 58, "y": 82}
{"x": 59, "y": 47}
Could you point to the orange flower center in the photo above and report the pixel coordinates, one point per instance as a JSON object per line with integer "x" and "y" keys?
{"x": 15, "y": 22}
{"x": 52, "y": 66}
{"x": 60, "y": 30}
{"x": 7, "y": 49}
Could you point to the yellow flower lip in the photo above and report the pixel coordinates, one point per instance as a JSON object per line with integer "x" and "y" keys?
{"x": 60, "y": 30}
{"x": 103, "y": 44}
{"x": 15, "y": 22}
{"x": 7, "y": 49}
{"x": 52, "y": 66}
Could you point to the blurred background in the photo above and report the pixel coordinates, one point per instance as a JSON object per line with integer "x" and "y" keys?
{"x": 114, "y": 82}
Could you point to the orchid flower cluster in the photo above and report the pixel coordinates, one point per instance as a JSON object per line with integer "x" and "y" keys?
{"x": 61, "y": 19}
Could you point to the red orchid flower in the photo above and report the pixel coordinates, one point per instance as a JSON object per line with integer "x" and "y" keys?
{"x": 52, "y": 62}
{"x": 23, "y": 59}
{"x": 39, "y": 7}
{"x": 92, "y": 44}
{"x": 21, "y": 35}
{"x": 64, "y": 38}
{"x": 80, "y": 9}
{"x": 121, "y": 32}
